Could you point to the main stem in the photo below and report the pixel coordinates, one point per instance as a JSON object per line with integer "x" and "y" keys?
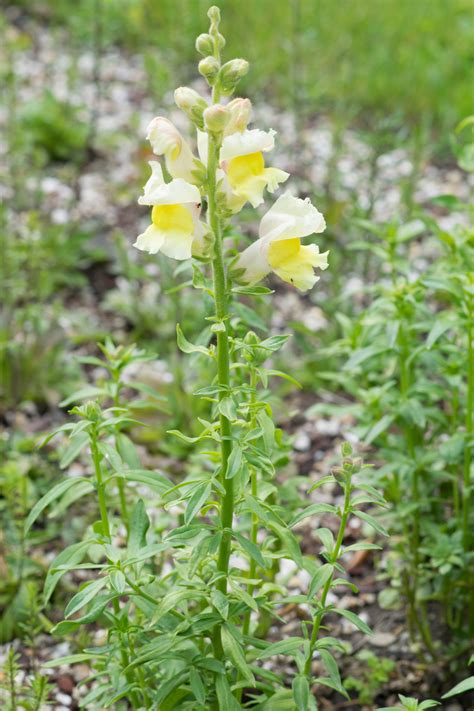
{"x": 223, "y": 375}
{"x": 337, "y": 549}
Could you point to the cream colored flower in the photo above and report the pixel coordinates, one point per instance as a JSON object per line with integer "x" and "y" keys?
{"x": 241, "y": 158}
{"x": 279, "y": 247}
{"x": 175, "y": 228}
{"x": 167, "y": 141}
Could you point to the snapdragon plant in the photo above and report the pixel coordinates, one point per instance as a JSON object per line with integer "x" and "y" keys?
{"x": 186, "y": 570}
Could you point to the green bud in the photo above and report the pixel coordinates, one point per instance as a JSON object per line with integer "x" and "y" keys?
{"x": 205, "y": 44}
{"x": 216, "y": 118}
{"x": 191, "y": 103}
{"x": 92, "y": 411}
{"x": 251, "y": 339}
{"x": 220, "y": 41}
{"x": 339, "y": 475}
{"x": 346, "y": 449}
{"x": 209, "y": 68}
{"x": 231, "y": 73}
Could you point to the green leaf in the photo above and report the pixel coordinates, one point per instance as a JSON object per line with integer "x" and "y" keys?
{"x": 329, "y": 479}
{"x": 76, "y": 445}
{"x": 98, "y": 607}
{"x": 461, "y": 688}
{"x": 53, "y": 494}
{"x": 155, "y": 480}
{"x": 440, "y": 326}
{"x": 333, "y": 670}
{"x": 85, "y": 595}
{"x": 250, "y": 548}
{"x": 73, "y": 659}
{"x": 312, "y": 511}
{"x": 185, "y": 345}
{"x": 356, "y": 621}
{"x": 380, "y": 426}
{"x": 320, "y": 578}
{"x": 225, "y": 697}
{"x": 70, "y": 556}
{"x": 197, "y": 687}
{"x": 371, "y": 521}
{"x": 289, "y": 646}
{"x": 139, "y": 525}
{"x": 226, "y": 407}
{"x": 234, "y": 463}
{"x": 300, "y": 688}
{"x": 362, "y": 355}
{"x": 234, "y": 652}
{"x": 221, "y": 603}
{"x": 87, "y": 392}
{"x": 199, "y": 497}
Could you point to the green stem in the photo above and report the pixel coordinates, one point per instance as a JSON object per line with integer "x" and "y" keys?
{"x": 467, "y": 487}
{"x": 106, "y": 531}
{"x": 254, "y": 491}
{"x": 120, "y": 481}
{"x": 223, "y": 372}
{"x": 469, "y": 423}
{"x": 104, "y": 516}
{"x": 337, "y": 549}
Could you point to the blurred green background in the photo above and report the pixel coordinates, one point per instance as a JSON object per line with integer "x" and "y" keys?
{"x": 362, "y": 61}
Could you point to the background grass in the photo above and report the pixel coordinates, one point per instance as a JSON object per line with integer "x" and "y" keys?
{"x": 405, "y": 62}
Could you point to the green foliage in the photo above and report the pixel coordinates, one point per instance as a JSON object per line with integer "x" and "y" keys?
{"x": 369, "y": 62}
{"x": 28, "y": 694}
{"x": 54, "y": 127}
{"x": 374, "y": 677}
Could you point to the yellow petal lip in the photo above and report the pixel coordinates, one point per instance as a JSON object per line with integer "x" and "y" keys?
{"x": 176, "y": 218}
{"x": 242, "y": 169}
{"x": 294, "y": 262}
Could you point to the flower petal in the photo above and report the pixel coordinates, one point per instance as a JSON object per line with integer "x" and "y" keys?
{"x": 241, "y": 144}
{"x": 254, "y": 261}
{"x": 150, "y": 241}
{"x": 294, "y": 262}
{"x": 173, "y": 193}
{"x": 291, "y": 217}
{"x": 166, "y": 140}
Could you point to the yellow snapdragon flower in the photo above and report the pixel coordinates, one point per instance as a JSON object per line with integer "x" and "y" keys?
{"x": 279, "y": 247}
{"x": 175, "y": 228}
{"x": 241, "y": 158}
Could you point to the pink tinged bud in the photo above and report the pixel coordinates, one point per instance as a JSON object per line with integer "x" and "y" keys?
{"x": 216, "y": 118}
{"x": 239, "y": 110}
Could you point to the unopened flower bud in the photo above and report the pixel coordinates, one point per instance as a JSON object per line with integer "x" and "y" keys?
{"x": 239, "y": 110}
{"x": 346, "y": 449}
{"x": 209, "y": 68}
{"x": 216, "y": 118}
{"x": 191, "y": 103}
{"x": 231, "y": 73}
{"x": 204, "y": 44}
{"x": 214, "y": 14}
{"x": 339, "y": 474}
{"x": 251, "y": 339}
{"x": 220, "y": 41}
